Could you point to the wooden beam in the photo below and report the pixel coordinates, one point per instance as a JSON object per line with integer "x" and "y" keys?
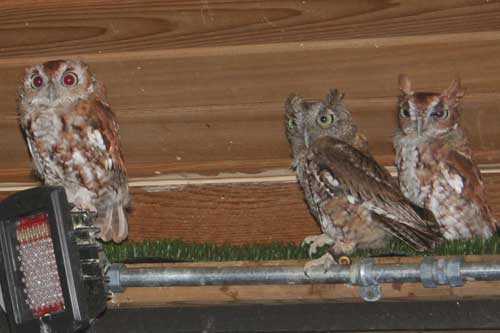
{"x": 199, "y": 87}
{"x": 174, "y": 118}
{"x": 234, "y": 213}
{"x": 56, "y": 28}
{"x": 169, "y": 181}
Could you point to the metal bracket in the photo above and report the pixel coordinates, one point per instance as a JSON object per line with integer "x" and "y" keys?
{"x": 370, "y": 293}
{"x": 361, "y": 275}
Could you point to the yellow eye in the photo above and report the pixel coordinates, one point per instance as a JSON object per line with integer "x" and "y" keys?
{"x": 404, "y": 113}
{"x": 325, "y": 121}
{"x": 291, "y": 124}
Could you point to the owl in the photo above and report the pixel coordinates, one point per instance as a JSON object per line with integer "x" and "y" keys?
{"x": 72, "y": 136}
{"x": 435, "y": 167}
{"x": 355, "y": 201}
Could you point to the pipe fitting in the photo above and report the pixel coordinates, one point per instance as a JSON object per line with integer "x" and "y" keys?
{"x": 113, "y": 274}
{"x": 442, "y": 271}
{"x": 363, "y": 275}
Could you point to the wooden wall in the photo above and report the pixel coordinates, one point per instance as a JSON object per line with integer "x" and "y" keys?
{"x": 198, "y": 88}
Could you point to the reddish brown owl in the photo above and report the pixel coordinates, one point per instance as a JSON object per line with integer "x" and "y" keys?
{"x": 434, "y": 162}
{"x": 72, "y": 136}
{"x": 355, "y": 200}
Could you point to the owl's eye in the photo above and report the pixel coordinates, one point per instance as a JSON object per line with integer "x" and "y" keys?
{"x": 441, "y": 113}
{"x": 325, "y": 121}
{"x": 36, "y": 81}
{"x": 291, "y": 124}
{"x": 70, "y": 79}
{"x": 404, "y": 113}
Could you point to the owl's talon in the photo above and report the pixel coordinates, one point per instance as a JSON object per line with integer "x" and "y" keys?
{"x": 316, "y": 242}
{"x": 326, "y": 262}
{"x": 309, "y": 239}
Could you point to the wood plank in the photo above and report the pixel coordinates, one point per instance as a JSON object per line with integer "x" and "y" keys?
{"x": 271, "y": 293}
{"x": 56, "y": 28}
{"x": 233, "y": 213}
{"x": 281, "y": 293}
{"x": 208, "y": 114}
{"x": 236, "y": 214}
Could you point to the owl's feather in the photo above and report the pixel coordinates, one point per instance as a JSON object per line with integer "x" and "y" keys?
{"x": 346, "y": 171}
{"x": 101, "y": 131}
{"x": 38, "y": 169}
{"x": 471, "y": 187}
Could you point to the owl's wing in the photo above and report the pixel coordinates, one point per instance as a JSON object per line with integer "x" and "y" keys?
{"x": 463, "y": 176}
{"x": 100, "y": 133}
{"x": 35, "y": 156}
{"x": 103, "y": 135}
{"x": 338, "y": 167}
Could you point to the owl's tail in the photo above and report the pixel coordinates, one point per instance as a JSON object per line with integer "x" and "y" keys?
{"x": 113, "y": 224}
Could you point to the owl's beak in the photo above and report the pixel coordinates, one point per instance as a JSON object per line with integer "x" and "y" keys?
{"x": 420, "y": 122}
{"x": 52, "y": 92}
{"x": 306, "y": 138}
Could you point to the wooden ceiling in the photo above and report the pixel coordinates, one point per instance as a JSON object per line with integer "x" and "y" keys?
{"x": 198, "y": 88}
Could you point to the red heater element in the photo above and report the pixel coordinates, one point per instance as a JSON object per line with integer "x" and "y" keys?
{"x": 42, "y": 284}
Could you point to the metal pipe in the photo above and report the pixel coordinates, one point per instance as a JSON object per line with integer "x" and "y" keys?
{"x": 485, "y": 271}
{"x": 431, "y": 272}
{"x": 209, "y": 276}
{"x": 206, "y": 276}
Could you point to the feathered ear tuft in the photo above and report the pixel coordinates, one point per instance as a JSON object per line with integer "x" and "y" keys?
{"x": 405, "y": 84}
{"x": 100, "y": 91}
{"x": 455, "y": 90}
{"x": 294, "y": 103}
{"x": 334, "y": 96}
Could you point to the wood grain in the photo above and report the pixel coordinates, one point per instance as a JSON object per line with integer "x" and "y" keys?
{"x": 57, "y": 27}
{"x": 198, "y": 87}
{"x": 236, "y": 214}
{"x": 217, "y": 107}
{"x": 281, "y": 293}
{"x": 318, "y": 292}
{"x": 222, "y": 214}
{"x": 223, "y": 113}
{"x": 233, "y": 213}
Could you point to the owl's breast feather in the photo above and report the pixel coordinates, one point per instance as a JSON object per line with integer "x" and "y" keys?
{"x": 407, "y": 170}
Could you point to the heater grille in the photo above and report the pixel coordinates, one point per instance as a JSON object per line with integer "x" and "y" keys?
{"x": 42, "y": 284}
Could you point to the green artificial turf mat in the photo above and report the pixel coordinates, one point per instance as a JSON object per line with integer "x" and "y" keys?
{"x": 177, "y": 250}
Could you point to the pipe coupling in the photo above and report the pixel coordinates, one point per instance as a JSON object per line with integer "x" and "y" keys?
{"x": 113, "y": 274}
{"x": 434, "y": 272}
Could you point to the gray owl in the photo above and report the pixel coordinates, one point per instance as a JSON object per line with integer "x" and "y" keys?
{"x": 355, "y": 200}
{"x": 73, "y": 139}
